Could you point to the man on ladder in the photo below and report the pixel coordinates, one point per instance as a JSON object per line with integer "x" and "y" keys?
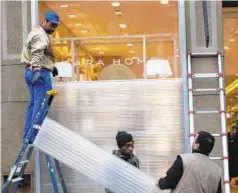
{"x": 38, "y": 59}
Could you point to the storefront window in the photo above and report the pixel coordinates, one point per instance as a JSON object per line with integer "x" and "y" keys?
{"x": 231, "y": 56}
{"x": 117, "y": 40}
{"x": 230, "y": 31}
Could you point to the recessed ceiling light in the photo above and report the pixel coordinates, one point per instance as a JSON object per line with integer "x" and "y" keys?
{"x": 129, "y": 44}
{"x": 164, "y": 2}
{"x": 237, "y": 96}
{"x": 132, "y": 51}
{"x": 64, "y": 6}
{"x": 115, "y": 4}
{"x": 78, "y": 24}
{"x": 119, "y": 13}
{"x": 232, "y": 40}
{"x": 84, "y": 31}
{"x": 237, "y": 32}
{"x": 123, "y": 25}
{"x": 101, "y": 53}
{"x": 72, "y": 15}
{"x": 231, "y": 99}
{"x": 97, "y": 48}
{"x": 226, "y": 48}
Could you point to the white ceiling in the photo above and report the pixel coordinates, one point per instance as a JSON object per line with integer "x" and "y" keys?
{"x": 140, "y": 17}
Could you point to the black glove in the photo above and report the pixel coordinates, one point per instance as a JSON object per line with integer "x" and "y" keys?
{"x": 55, "y": 71}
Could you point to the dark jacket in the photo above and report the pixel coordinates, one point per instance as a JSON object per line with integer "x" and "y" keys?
{"x": 133, "y": 160}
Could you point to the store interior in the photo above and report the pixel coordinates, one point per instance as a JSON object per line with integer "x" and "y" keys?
{"x": 230, "y": 38}
{"x": 86, "y": 19}
{"x": 119, "y": 29}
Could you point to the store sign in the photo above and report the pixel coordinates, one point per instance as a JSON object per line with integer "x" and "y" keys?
{"x": 127, "y": 61}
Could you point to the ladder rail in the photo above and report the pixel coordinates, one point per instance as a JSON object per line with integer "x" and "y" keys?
{"x": 223, "y": 128}
{"x": 52, "y": 174}
{"x": 61, "y": 178}
{"x": 190, "y": 100}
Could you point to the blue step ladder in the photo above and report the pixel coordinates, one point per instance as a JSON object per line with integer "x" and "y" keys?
{"x": 15, "y": 177}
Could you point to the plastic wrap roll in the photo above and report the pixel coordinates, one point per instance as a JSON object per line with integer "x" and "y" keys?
{"x": 151, "y": 110}
{"x": 84, "y": 156}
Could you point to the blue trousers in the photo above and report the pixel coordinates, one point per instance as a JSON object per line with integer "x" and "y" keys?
{"x": 37, "y": 92}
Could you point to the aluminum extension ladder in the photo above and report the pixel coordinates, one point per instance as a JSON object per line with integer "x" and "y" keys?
{"x": 222, "y": 112}
{"x": 15, "y": 177}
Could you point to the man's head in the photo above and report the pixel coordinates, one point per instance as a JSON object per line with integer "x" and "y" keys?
{"x": 51, "y": 21}
{"x": 125, "y": 142}
{"x": 203, "y": 143}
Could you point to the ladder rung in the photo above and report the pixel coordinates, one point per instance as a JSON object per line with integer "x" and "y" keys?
{"x": 215, "y": 158}
{"x": 24, "y": 162}
{"x": 36, "y": 127}
{"x": 18, "y": 179}
{"x": 218, "y": 135}
{"x": 21, "y": 165}
{"x": 205, "y": 75}
{"x": 206, "y": 112}
{"x": 213, "y": 134}
{"x": 206, "y": 90}
{"x": 208, "y": 54}
{"x": 18, "y": 170}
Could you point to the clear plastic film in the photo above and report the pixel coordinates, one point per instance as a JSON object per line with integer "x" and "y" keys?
{"x": 151, "y": 110}
{"x": 82, "y": 155}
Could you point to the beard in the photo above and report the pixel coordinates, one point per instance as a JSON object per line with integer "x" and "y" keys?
{"x": 49, "y": 31}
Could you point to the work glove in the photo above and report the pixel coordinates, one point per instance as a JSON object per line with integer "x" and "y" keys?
{"x": 55, "y": 71}
{"x": 36, "y": 74}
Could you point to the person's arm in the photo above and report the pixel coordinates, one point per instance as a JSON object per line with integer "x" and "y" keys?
{"x": 219, "y": 187}
{"x": 173, "y": 176}
{"x": 38, "y": 45}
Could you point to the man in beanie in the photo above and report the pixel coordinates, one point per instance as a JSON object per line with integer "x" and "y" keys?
{"x": 38, "y": 59}
{"x": 125, "y": 143}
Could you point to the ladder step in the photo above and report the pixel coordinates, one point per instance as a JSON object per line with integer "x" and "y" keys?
{"x": 18, "y": 179}
{"x": 219, "y": 135}
{"x": 204, "y": 112}
{"x": 205, "y": 75}
{"x": 24, "y": 162}
{"x": 208, "y": 54}
{"x": 215, "y": 158}
{"x": 206, "y": 90}
{"x": 36, "y": 127}
{"x": 30, "y": 146}
{"x": 21, "y": 165}
{"x": 213, "y": 134}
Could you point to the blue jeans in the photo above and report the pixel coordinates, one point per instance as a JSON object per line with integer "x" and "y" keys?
{"x": 37, "y": 93}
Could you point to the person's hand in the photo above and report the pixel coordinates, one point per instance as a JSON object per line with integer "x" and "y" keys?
{"x": 36, "y": 74}
{"x": 55, "y": 71}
